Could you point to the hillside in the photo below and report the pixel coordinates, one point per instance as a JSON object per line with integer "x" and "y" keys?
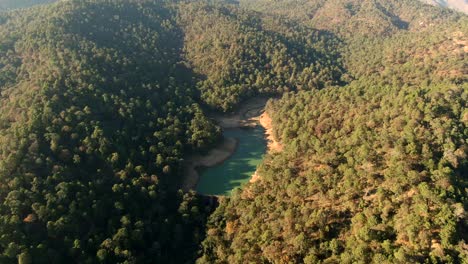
{"x": 94, "y": 121}
{"x": 383, "y": 39}
{"x": 239, "y": 58}
{"x": 353, "y": 18}
{"x": 369, "y": 174}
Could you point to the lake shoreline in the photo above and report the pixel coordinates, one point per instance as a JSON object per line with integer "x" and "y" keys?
{"x": 273, "y": 145}
{"x": 251, "y": 114}
{"x": 215, "y": 156}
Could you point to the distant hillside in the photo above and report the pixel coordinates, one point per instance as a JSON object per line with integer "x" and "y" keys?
{"x": 238, "y": 58}
{"x": 460, "y": 5}
{"x": 353, "y": 18}
{"x": 381, "y": 36}
{"x": 13, "y": 4}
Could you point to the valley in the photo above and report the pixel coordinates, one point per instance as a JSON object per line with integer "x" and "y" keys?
{"x": 250, "y": 131}
{"x": 238, "y": 169}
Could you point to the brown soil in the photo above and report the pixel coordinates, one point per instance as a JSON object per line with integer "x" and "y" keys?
{"x": 273, "y": 144}
{"x": 246, "y": 116}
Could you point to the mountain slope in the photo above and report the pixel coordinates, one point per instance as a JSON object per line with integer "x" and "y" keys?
{"x": 369, "y": 174}
{"x": 385, "y": 39}
{"x": 373, "y": 171}
{"x": 239, "y": 58}
{"x": 99, "y": 105}
{"x": 94, "y": 121}
{"x": 353, "y": 18}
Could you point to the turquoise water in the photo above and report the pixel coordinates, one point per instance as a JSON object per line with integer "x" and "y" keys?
{"x": 238, "y": 169}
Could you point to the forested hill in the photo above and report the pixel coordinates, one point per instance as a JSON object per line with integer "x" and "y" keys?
{"x": 355, "y": 18}
{"x": 369, "y": 174}
{"x": 96, "y": 113}
{"x": 240, "y": 57}
{"x": 391, "y": 41}
{"x": 100, "y": 101}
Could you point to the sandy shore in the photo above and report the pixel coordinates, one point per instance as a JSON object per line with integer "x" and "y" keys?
{"x": 247, "y": 116}
{"x": 250, "y": 114}
{"x": 272, "y": 144}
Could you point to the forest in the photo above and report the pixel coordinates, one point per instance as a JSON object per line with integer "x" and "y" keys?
{"x": 102, "y": 100}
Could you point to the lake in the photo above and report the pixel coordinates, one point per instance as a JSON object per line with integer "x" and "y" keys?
{"x": 238, "y": 169}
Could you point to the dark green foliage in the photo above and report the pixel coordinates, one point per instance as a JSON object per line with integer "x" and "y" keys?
{"x": 94, "y": 121}
{"x": 240, "y": 58}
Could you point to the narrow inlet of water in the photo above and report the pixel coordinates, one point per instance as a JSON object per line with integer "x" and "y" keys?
{"x": 238, "y": 169}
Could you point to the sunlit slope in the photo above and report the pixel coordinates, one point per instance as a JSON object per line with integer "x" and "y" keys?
{"x": 394, "y": 41}
{"x": 373, "y": 171}
{"x": 370, "y": 174}
{"x": 355, "y": 17}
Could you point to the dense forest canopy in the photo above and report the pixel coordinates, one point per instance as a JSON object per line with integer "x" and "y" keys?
{"x": 101, "y": 101}
{"x": 94, "y": 122}
{"x": 241, "y": 59}
{"x": 359, "y": 18}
